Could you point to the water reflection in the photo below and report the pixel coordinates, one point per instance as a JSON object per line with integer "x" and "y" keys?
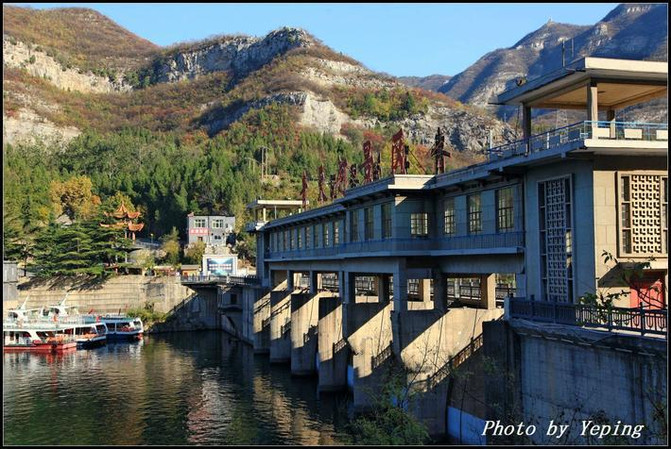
{"x": 186, "y": 388}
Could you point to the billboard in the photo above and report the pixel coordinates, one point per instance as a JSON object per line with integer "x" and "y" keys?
{"x": 218, "y": 265}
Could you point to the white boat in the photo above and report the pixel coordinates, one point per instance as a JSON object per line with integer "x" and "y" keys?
{"x": 122, "y": 327}
{"x": 36, "y": 336}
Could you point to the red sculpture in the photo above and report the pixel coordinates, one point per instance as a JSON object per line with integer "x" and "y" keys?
{"x": 322, "y": 196}
{"x": 398, "y": 160}
{"x": 341, "y": 180}
{"x": 438, "y": 152}
{"x": 367, "y": 162}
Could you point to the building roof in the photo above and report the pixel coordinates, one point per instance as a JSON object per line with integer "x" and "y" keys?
{"x": 279, "y": 204}
{"x": 621, "y": 82}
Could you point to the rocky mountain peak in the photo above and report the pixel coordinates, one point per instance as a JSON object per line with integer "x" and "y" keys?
{"x": 550, "y": 34}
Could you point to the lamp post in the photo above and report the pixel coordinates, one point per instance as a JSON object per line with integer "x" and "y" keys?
{"x": 151, "y": 234}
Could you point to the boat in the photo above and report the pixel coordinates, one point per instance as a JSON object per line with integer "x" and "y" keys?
{"x": 122, "y": 327}
{"x": 90, "y": 335}
{"x": 36, "y": 337}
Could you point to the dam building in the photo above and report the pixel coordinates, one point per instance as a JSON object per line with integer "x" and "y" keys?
{"x": 406, "y": 269}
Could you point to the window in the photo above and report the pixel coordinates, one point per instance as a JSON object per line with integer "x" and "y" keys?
{"x": 199, "y": 222}
{"x": 327, "y": 240}
{"x": 386, "y": 220}
{"x": 299, "y": 237}
{"x": 217, "y": 223}
{"x": 315, "y": 236}
{"x": 504, "y": 209}
{"x": 554, "y": 201}
{"x": 419, "y": 224}
{"x": 336, "y": 232}
{"x": 450, "y": 224}
{"x": 286, "y": 240}
{"x": 216, "y": 236}
{"x": 643, "y": 214}
{"x": 368, "y": 223}
{"x": 354, "y": 226}
{"x": 308, "y": 236}
{"x": 474, "y": 214}
{"x": 292, "y": 239}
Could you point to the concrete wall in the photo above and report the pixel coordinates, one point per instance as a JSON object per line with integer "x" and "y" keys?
{"x": 118, "y": 293}
{"x": 569, "y": 374}
{"x": 332, "y": 365}
{"x": 10, "y": 278}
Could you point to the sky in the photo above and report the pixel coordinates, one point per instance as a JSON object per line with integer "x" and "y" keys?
{"x": 400, "y": 39}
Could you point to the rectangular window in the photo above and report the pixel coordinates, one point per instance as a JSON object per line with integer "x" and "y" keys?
{"x": 368, "y": 223}
{"x": 315, "y": 236}
{"x": 217, "y": 223}
{"x": 354, "y": 226}
{"x": 336, "y": 232}
{"x": 386, "y": 221}
{"x": 199, "y": 222}
{"x": 326, "y": 236}
{"x": 504, "y": 209}
{"x": 419, "y": 224}
{"x": 292, "y": 239}
{"x": 450, "y": 223}
{"x": 299, "y": 237}
{"x": 474, "y": 214}
{"x": 308, "y": 236}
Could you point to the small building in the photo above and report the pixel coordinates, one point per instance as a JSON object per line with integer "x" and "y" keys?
{"x": 211, "y": 229}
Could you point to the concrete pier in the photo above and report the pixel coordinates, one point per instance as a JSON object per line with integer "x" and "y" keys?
{"x": 332, "y": 348}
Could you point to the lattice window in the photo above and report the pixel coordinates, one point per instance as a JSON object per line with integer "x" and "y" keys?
{"x": 504, "y": 209}
{"x": 450, "y": 223}
{"x": 474, "y": 214}
{"x": 643, "y": 214}
{"x": 386, "y": 220}
{"x": 308, "y": 236}
{"x": 354, "y": 226}
{"x": 368, "y": 223}
{"x": 336, "y": 232}
{"x": 554, "y": 199}
{"x": 419, "y": 226}
{"x": 326, "y": 236}
{"x": 199, "y": 222}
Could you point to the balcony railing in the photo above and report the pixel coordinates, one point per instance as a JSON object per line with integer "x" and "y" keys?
{"x": 645, "y": 321}
{"x": 473, "y": 241}
{"x": 240, "y": 280}
{"x": 601, "y": 130}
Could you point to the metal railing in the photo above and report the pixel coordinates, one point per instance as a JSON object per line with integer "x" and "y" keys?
{"x": 285, "y": 328}
{"x": 382, "y": 356}
{"x": 312, "y": 332}
{"x": 339, "y": 345}
{"x": 464, "y": 242}
{"x": 459, "y": 358}
{"x": 239, "y": 280}
{"x": 644, "y": 321}
{"x": 603, "y": 130}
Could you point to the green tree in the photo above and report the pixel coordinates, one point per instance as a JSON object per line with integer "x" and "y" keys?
{"x": 194, "y": 254}
{"x": 170, "y": 246}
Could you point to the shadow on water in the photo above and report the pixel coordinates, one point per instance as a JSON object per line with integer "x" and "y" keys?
{"x": 183, "y": 388}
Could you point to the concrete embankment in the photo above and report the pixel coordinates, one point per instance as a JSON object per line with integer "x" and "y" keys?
{"x": 120, "y": 293}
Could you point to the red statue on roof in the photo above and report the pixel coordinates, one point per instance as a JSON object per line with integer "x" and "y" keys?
{"x": 322, "y": 196}
{"x": 398, "y": 159}
{"x": 367, "y": 162}
{"x": 124, "y": 221}
{"x": 341, "y": 180}
{"x": 438, "y": 152}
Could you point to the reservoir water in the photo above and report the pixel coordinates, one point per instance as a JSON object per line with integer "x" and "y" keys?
{"x": 182, "y": 388}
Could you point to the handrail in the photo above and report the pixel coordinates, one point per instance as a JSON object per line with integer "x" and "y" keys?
{"x": 638, "y": 319}
{"x": 382, "y": 356}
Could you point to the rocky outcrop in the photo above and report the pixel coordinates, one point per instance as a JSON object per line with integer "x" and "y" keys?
{"x": 327, "y": 73}
{"x": 239, "y": 55}
{"x": 630, "y": 31}
{"x": 28, "y": 127}
{"x": 431, "y": 82}
{"x": 17, "y": 54}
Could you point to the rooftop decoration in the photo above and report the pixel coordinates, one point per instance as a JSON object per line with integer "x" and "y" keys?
{"x": 124, "y": 221}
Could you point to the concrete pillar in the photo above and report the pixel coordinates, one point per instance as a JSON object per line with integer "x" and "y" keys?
{"x": 291, "y": 280}
{"x": 593, "y": 107}
{"x": 383, "y": 292}
{"x": 610, "y": 116}
{"x": 400, "y": 287}
{"x": 425, "y": 290}
{"x": 331, "y": 348}
{"x": 261, "y": 323}
{"x": 315, "y": 282}
{"x": 439, "y": 291}
{"x": 526, "y": 125}
{"x": 304, "y": 323}
{"x": 488, "y": 291}
{"x": 280, "y": 323}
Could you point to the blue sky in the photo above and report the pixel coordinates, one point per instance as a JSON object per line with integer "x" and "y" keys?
{"x": 396, "y": 38}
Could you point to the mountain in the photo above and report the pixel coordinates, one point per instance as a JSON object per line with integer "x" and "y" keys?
{"x": 630, "y": 31}
{"x": 431, "y": 82}
{"x": 67, "y": 70}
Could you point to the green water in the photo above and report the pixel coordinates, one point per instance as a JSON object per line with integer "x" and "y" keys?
{"x": 183, "y": 388}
